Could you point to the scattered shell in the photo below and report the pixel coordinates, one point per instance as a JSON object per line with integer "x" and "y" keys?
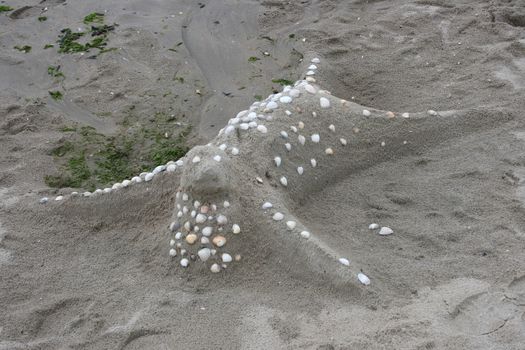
{"x": 324, "y": 102}
{"x": 288, "y": 113}
{"x": 215, "y": 268}
{"x": 278, "y": 216}
{"x": 136, "y": 179}
{"x": 272, "y": 105}
{"x": 201, "y": 218}
{"x": 316, "y": 138}
{"x": 184, "y": 262}
{"x": 316, "y": 60}
{"x": 205, "y": 240}
{"x": 309, "y": 88}
{"x": 170, "y": 168}
{"x": 285, "y": 99}
{"x": 373, "y": 226}
{"x": 310, "y": 72}
{"x": 314, "y": 114}
{"x": 205, "y": 209}
{"x": 207, "y": 231}
{"x": 191, "y": 238}
{"x": 329, "y": 151}
{"x": 294, "y": 129}
{"x": 288, "y": 146}
{"x": 366, "y": 113}
{"x": 59, "y": 198}
{"x": 267, "y": 205}
{"x": 262, "y": 129}
{"x": 126, "y": 183}
{"x": 390, "y": 115}
{"x": 291, "y": 224}
{"x": 174, "y": 226}
{"x": 284, "y": 134}
{"x": 432, "y": 112}
{"x": 310, "y": 79}
{"x": 219, "y": 241}
{"x": 300, "y": 170}
{"x": 178, "y": 235}
{"x": 226, "y": 204}
{"x": 172, "y": 242}
{"x": 363, "y": 278}
{"x": 259, "y": 180}
{"x": 236, "y": 229}
{"x": 301, "y": 139}
{"x": 173, "y": 252}
{"x": 405, "y": 115}
{"x": 238, "y": 257}
{"x": 43, "y": 200}
{"x": 222, "y": 220}
{"x": 331, "y": 127}
{"x": 217, "y": 158}
{"x": 149, "y": 176}
{"x": 344, "y": 261}
{"x": 312, "y": 67}
{"x": 204, "y": 254}
{"x": 343, "y": 142}
{"x": 300, "y": 125}
{"x": 196, "y": 159}
{"x": 385, "y": 231}
{"x": 223, "y": 147}
{"x": 305, "y": 234}
{"x": 226, "y": 258}
{"x": 277, "y": 161}
{"x": 283, "y": 181}
{"x": 313, "y": 162}
{"x": 235, "y": 151}
{"x": 383, "y": 144}
{"x": 185, "y": 197}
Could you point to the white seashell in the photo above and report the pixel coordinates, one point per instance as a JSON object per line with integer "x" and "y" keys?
{"x": 244, "y": 126}
{"x": 278, "y": 216}
{"x": 196, "y": 204}
{"x": 300, "y": 125}
{"x": 262, "y": 129}
{"x": 196, "y": 159}
{"x": 385, "y": 231}
{"x": 184, "y": 262}
{"x": 159, "y": 169}
{"x": 300, "y": 170}
{"x": 363, "y": 279}
{"x": 309, "y": 88}
{"x": 149, "y": 176}
{"x": 178, "y": 235}
{"x": 226, "y": 204}
{"x": 185, "y": 197}
{"x": 222, "y": 220}
{"x": 43, "y": 200}
{"x": 173, "y": 252}
{"x": 316, "y": 60}
{"x": 179, "y": 162}
{"x": 284, "y": 134}
{"x": 116, "y": 186}
{"x": 315, "y": 138}
{"x": 267, "y": 205}
{"x": 204, "y": 254}
{"x": 294, "y": 129}
{"x": 285, "y": 99}
{"x": 294, "y": 92}
{"x": 229, "y": 129}
{"x": 432, "y": 112}
{"x": 73, "y": 194}
{"x": 236, "y": 229}
{"x": 305, "y": 234}
{"x": 301, "y": 139}
{"x": 310, "y": 72}
{"x": 170, "y": 168}
{"x": 343, "y": 142}
{"x": 205, "y": 240}
{"x": 313, "y": 162}
{"x": 291, "y": 224}
{"x": 193, "y": 213}
{"x": 217, "y": 158}
{"x": 314, "y": 114}
{"x": 344, "y": 261}
{"x": 366, "y": 113}
{"x": 187, "y": 225}
{"x": 201, "y": 218}
{"x": 405, "y": 115}
{"x": 126, "y": 183}
{"x": 324, "y": 102}
{"x": 283, "y": 181}
{"x": 329, "y": 151}
{"x": 59, "y": 198}
{"x": 277, "y": 161}
{"x": 136, "y": 179}
{"x": 235, "y": 151}
{"x": 223, "y": 147}
{"x": 185, "y": 210}
{"x": 207, "y": 231}
{"x": 272, "y": 105}
{"x": 226, "y": 258}
{"x": 288, "y": 146}
{"x": 215, "y": 268}
{"x": 288, "y": 113}
{"x": 310, "y": 79}
{"x": 331, "y": 127}
{"x": 312, "y": 67}
{"x": 373, "y": 226}
{"x": 383, "y": 144}
{"x": 219, "y": 241}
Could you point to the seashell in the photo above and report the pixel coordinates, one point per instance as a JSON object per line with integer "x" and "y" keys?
{"x": 205, "y": 240}
{"x": 185, "y": 210}
{"x": 223, "y": 147}
{"x": 185, "y": 197}
{"x": 385, "y": 231}
{"x": 300, "y": 170}
{"x": 309, "y": 88}
{"x": 226, "y": 258}
{"x": 226, "y": 204}
{"x": 383, "y": 144}
{"x": 237, "y": 257}
{"x": 170, "y": 168}
{"x": 235, "y": 151}
{"x": 196, "y": 204}
{"x": 344, "y": 261}
{"x": 272, "y": 105}
{"x": 217, "y": 158}
{"x": 288, "y": 146}
{"x": 310, "y": 72}
{"x": 294, "y": 129}
{"x": 222, "y": 220}
{"x": 204, "y": 254}
{"x": 291, "y": 224}
{"x": 329, "y": 151}
{"x": 219, "y": 241}
{"x": 59, "y": 198}
{"x": 390, "y": 115}
{"x": 136, "y": 179}
{"x": 193, "y": 213}
{"x": 324, "y": 102}
{"x": 285, "y": 99}
{"x": 310, "y": 79}
{"x": 207, "y": 231}
{"x": 178, "y": 235}
{"x": 405, "y": 115}
{"x": 284, "y": 134}
{"x": 366, "y": 113}
{"x": 236, "y": 229}
{"x": 201, "y": 218}
{"x": 267, "y": 205}
{"x": 262, "y": 129}
{"x": 126, "y": 183}
{"x": 187, "y": 226}
{"x": 432, "y": 112}
{"x": 312, "y": 67}
{"x": 283, "y": 181}
{"x": 214, "y": 207}
{"x": 278, "y": 216}
{"x": 179, "y": 162}
{"x": 294, "y": 92}
{"x": 316, "y": 60}
{"x": 174, "y": 226}
{"x": 184, "y": 262}
{"x": 215, "y": 268}
{"x": 343, "y": 142}
{"x": 196, "y": 159}
{"x": 149, "y": 177}
{"x": 331, "y": 127}
{"x": 363, "y": 278}
{"x": 229, "y": 129}
{"x": 277, "y": 161}
{"x": 305, "y": 234}
{"x": 205, "y": 209}
{"x": 301, "y": 139}
{"x": 300, "y": 125}
{"x": 355, "y": 130}
{"x": 191, "y": 238}
{"x": 173, "y": 252}
{"x": 172, "y": 242}
{"x": 373, "y": 226}
{"x": 315, "y": 138}
{"x": 313, "y": 162}
{"x": 259, "y": 180}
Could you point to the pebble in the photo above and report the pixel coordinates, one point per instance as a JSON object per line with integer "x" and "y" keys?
{"x": 331, "y": 127}
{"x": 312, "y": 67}
{"x": 173, "y": 252}
{"x": 223, "y": 147}
{"x": 405, "y": 115}
{"x": 313, "y": 162}
{"x": 267, "y": 205}
{"x": 344, "y": 261}
{"x": 278, "y": 216}
{"x": 343, "y": 142}
{"x": 191, "y": 238}
{"x": 288, "y": 146}
{"x": 294, "y": 93}
{"x": 310, "y": 79}
{"x": 226, "y": 258}
{"x": 226, "y": 204}
{"x": 236, "y": 229}
{"x": 294, "y": 129}
{"x": 283, "y": 181}
{"x": 172, "y": 242}
{"x": 207, "y": 231}
{"x": 235, "y": 151}
{"x": 184, "y": 262}
{"x": 315, "y": 138}
{"x": 136, "y": 179}
{"x": 262, "y": 129}
{"x": 215, "y": 268}
{"x": 219, "y": 241}
{"x": 291, "y": 224}
{"x": 59, "y": 198}
{"x": 316, "y": 60}
{"x": 300, "y": 170}
{"x": 385, "y": 231}
{"x": 366, "y": 113}
{"x": 310, "y": 72}
{"x": 305, "y": 234}
{"x": 201, "y": 218}
{"x": 205, "y": 240}
{"x": 300, "y": 125}
{"x": 288, "y": 113}
{"x": 325, "y": 103}
{"x": 329, "y": 151}
{"x": 277, "y": 161}
{"x": 301, "y": 139}
{"x": 196, "y": 159}
{"x": 185, "y": 197}
{"x": 285, "y": 99}
{"x": 237, "y": 257}
{"x": 217, "y": 158}
{"x": 178, "y": 235}
{"x": 284, "y": 134}
{"x": 373, "y": 226}
{"x": 432, "y": 112}
{"x": 363, "y": 278}
{"x": 390, "y": 115}
{"x": 222, "y": 220}
{"x": 149, "y": 177}
{"x": 383, "y": 144}
{"x": 204, "y": 254}
{"x": 272, "y": 105}
{"x": 43, "y": 200}
{"x": 126, "y": 183}
{"x": 309, "y": 88}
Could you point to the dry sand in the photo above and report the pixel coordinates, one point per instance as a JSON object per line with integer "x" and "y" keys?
{"x": 95, "y": 273}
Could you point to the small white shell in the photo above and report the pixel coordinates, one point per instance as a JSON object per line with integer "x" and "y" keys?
{"x": 300, "y": 170}
{"x": 236, "y": 229}
{"x": 291, "y": 224}
{"x": 331, "y": 127}
{"x": 329, "y": 151}
{"x": 278, "y": 216}
{"x": 226, "y": 258}
{"x": 301, "y": 139}
{"x": 366, "y": 113}
{"x": 344, "y": 261}
{"x": 196, "y": 159}
{"x": 215, "y": 268}
{"x": 235, "y": 151}
{"x": 149, "y": 177}
{"x": 173, "y": 252}
{"x": 324, "y": 102}
{"x": 313, "y": 162}
{"x": 385, "y": 231}
{"x": 226, "y": 204}
{"x": 373, "y": 226}
{"x": 277, "y": 161}
{"x": 288, "y": 146}
{"x": 283, "y": 181}
{"x": 267, "y": 205}
{"x": 315, "y": 138}
{"x": 284, "y": 134}
{"x": 305, "y": 234}
{"x": 262, "y": 129}
{"x": 363, "y": 279}
{"x": 217, "y": 158}
{"x": 207, "y": 231}
{"x": 184, "y": 262}
{"x": 343, "y": 142}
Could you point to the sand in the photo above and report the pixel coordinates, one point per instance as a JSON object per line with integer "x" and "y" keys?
{"x": 95, "y": 273}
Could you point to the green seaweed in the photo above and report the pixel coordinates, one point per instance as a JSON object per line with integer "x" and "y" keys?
{"x": 258, "y": 97}
{"x": 56, "y": 95}
{"x": 42, "y": 18}
{"x": 95, "y": 17}
{"x": 253, "y": 59}
{"x": 55, "y": 72}
{"x": 283, "y": 82}
{"x": 48, "y": 46}
{"x": 5, "y": 8}
{"x": 25, "y": 48}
